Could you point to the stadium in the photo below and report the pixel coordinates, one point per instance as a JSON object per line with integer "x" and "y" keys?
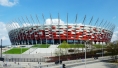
{"x": 41, "y": 33}
{"x": 52, "y": 39}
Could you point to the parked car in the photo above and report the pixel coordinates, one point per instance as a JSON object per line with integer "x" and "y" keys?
{"x": 1, "y": 59}
{"x": 58, "y": 61}
{"x": 95, "y": 57}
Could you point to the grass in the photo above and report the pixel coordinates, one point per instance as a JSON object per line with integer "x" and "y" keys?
{"x": 72, "y": 46}
{"x": 78, "y": 46}
{"x": 16, "y": 51}
{"x": 41, "y": 45}
{"x": 98, "y": 45}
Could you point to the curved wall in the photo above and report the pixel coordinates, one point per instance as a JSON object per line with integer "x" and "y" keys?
{"x": 55, "y": 34}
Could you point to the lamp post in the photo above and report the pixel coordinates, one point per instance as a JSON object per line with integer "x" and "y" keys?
{"x": 86, "y": 43}
{"x": 85, "y": 53}
{"x": 102, "y": 51}
{"x": 1, "y": 48}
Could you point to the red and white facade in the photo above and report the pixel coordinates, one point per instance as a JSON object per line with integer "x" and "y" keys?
{"x": 56, "y": 34}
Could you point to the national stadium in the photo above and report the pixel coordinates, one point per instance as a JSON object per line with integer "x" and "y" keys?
{"x": 50, "y": 34}
{"x": 34, "y": 32}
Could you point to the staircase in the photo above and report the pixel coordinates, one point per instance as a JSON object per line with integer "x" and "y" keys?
{"x": 29, "y": 51}
{"x": 53, "y": 46}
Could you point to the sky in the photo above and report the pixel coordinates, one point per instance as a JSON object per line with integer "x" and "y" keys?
{"x": 14, "y": 9}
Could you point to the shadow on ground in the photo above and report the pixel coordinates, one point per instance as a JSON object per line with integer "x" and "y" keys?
{"x": 110, "y": 63}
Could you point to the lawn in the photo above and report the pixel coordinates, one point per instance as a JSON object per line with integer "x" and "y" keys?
{"x": 16, "y": 51}
{"x": 65, "y": 45}
{"x": 41, "y": 45}
{"x": 98, "y": 45}
{"x": 71, "y": 46}
{"x": 77, "y": 46}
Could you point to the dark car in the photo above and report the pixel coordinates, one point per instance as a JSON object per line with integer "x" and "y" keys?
{"x": 1, "y": 59}
{"x": 95, "y": 57}
{"x": 58, "y": 61}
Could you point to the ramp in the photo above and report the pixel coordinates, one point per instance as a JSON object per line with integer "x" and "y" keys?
{"x": 53, "y": 46}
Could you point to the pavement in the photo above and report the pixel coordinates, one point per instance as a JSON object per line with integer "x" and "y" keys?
{"x": 79, "y": 63}
{"x": 98, "y": 65}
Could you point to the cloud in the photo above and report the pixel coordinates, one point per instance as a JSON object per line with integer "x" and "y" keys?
{"x": 114, "y": 17}
{"x": 26, "y": 24}
{"x": 15, "y": 24}
{"x": 54, "y": 21}
{"x": 8, "y": 3}
{"x": 115, "y": 36}
{"x": 12, "y": 25}
{"x": 4, "y": 38}
{"x": 59, "y": 21}
{"x": 4, "y": 34}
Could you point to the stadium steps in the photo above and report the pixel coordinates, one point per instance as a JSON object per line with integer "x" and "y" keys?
{"x": 43, "y": 50}
{"x": 29, "y": 51}
{"x": 53, "y": 46}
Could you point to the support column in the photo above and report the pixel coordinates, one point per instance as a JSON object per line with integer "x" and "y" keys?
{"x": 97, "y": 42}
{"x": 93, "y": 42}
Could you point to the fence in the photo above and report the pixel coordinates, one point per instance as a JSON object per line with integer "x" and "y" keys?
{"x": 25, "y": 59}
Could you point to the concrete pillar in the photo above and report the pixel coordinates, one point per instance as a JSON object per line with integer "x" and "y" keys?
{"x": 101, "y": 43}
{"x": 93, "y": 42}
{"x": 97, "y": 42}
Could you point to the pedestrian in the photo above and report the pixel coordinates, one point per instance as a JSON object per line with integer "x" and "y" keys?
{"x": 15, "y": 62}
{"x": 38, "y": 62}
{"x": 82, "y": 60}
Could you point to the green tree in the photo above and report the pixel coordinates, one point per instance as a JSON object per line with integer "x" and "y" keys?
{"x": 62, "y": 49}
{"x": 59, "y": 52}
{"x": 112, "y": 47}
{"x": 90, "y": 46}
{"x": 64, "y": 44}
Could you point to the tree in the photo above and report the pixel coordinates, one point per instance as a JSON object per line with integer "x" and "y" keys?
{"x": 116, "y": 49}
{"x": 64, "y": 44}
{"x": 62, "y": 49}
{"x": 89, "y": 46}
{"x": 112, "y": 47}
{"x": 59, "y": 52}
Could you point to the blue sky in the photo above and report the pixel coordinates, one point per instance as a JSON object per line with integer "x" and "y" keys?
{"x": 13, "y": 9}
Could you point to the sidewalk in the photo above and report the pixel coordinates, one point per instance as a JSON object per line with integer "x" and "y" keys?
{"x": 69, "y": 64}
{"x": 98, "y": 65}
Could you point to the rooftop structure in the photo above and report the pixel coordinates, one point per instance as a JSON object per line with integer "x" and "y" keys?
{"x": 42, "y": 33}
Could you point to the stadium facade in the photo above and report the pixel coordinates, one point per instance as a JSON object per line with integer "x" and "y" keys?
{"x": 57, "y": 33}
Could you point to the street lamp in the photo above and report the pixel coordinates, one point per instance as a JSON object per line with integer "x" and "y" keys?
{"x": 1, "y": 48}
{"x": 86, "y": 42}
{"x": 102, "y": 51}
{"x": 2, "y": 59}
{"x": 85, "y": 53}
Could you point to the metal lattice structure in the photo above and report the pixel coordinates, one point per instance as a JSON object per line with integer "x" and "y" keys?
{"x": 26, "y": 33}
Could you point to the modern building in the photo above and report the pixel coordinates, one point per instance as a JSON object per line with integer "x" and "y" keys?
{"x": 57, "y": 33}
